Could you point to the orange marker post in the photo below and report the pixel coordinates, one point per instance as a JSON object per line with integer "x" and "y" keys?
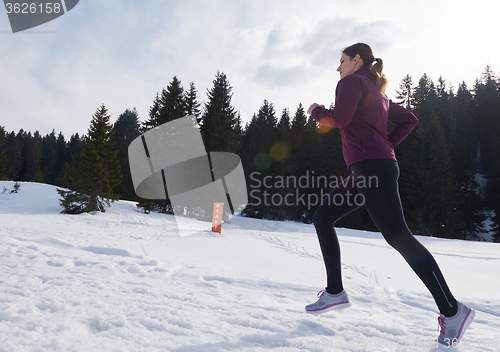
{"x": 217, "y": 217}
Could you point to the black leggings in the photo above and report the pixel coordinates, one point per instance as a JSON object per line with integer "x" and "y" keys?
{"x": 375, "y": 183}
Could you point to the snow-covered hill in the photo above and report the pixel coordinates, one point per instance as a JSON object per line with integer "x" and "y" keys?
{"x": 126, "y": 281}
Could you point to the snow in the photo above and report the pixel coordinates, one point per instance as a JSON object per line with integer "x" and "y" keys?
{"x": 126, "y": 281}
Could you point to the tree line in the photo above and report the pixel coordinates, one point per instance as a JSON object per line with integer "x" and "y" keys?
{"x": 450, "y": 163}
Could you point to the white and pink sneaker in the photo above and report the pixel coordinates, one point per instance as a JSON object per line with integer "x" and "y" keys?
{"x": 452, "y": 328}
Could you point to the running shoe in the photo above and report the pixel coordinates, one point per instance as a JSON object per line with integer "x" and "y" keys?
{"x": 452, "y": 328}
{"x": 327, "y": 302}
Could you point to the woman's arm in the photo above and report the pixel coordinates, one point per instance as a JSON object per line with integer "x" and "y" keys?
{"x": 404, "y": 122}
{"x": 348, "y": 94}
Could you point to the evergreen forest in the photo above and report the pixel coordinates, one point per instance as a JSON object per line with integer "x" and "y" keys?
{"x": 450, "y": 163}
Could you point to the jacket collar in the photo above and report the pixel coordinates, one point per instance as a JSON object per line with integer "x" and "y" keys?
{"x": 364, "y": 71}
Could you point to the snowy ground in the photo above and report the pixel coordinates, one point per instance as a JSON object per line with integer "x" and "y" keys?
{"x": 126, "y": 281}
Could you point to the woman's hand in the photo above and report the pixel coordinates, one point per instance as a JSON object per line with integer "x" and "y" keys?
{"x": 312, "y": 107}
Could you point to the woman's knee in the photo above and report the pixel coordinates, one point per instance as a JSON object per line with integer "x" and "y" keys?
{"x": 321, "y": 218}
{"x": 400, "y": 239}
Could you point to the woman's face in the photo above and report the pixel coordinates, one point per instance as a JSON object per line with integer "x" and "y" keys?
{"x": 348, "y": 65}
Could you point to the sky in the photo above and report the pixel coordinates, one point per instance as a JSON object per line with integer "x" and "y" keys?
{"x": 120, "y": 53}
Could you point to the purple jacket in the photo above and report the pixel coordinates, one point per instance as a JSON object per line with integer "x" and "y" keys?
{"x": 361, "y": 112}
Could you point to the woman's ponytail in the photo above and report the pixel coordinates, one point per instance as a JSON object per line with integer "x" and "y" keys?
{"x": 376, "y": 68}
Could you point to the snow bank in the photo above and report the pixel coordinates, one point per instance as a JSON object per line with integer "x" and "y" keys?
{"x": 126, "y": 281}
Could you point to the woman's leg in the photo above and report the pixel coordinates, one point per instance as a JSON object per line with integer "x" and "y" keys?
{"x": 333, "y": 207}
{"x": 383, "y": 203}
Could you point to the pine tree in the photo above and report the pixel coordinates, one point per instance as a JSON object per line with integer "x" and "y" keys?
{"x": 32, "y": 157}
{"x": 265, "y": 136}
{"x": 61, "y": 158}
{"x": 259, "y": 137}
{"x": 429, "y": 195}
{"x": 73, "y": 202}
{"x": 283, "y": 146}
{"x": 284, "y": 124}
{"x": 465, "y": 136}
{"x": 75, "y": 146}
{"x": 125, "y": 130}
{"x": 464, "y": 154}
{"x": 496, "y": 228}
{"x": 154, "y": 115}
{"x": 298, "y": 130}
{"x": 72, "y": 151}
{"x": 14, "y": 155}
{"x": 298, "y": 140}
{"x": 172, "y": 102}
{"x": 3, "y": 164}
{"x": 405, "y": 92}
{"x": 48, "y": 162}
{"x": 170, "y": 105}
{"x": 3, "y": 154}
{"x": 96, "y": 171}
{"x": 219, "y": 123}
{"x": 487, "y": 97}
{"x": 238, "y": 129}
{"x": 427, "y": 185}
{"x": 316, "y": 165}
{"x": 492, "y": 193}
{"x": 247, "y": 159}
{"x": 284, "y": 166}
{"x": 192, "y": 104}
{"x": 444, "y": 108}
{"x": 424, "y": 98}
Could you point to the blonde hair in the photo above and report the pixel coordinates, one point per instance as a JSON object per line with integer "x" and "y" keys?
{"x": 376, "y": 65}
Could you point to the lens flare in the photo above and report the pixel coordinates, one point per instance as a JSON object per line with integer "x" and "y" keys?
{"x": 322, "y": 128}
{"x": 278, "y": 151}
{"x": 263, "y": 161}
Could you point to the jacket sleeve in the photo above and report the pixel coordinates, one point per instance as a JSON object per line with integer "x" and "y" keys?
{"x": 404, "y": 122}
{"x": 347, "y": 96}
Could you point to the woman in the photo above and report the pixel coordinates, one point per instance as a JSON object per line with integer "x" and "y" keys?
{"x": 361, "y": 113}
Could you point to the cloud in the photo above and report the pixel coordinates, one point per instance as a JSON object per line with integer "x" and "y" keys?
{"x": 280, "y": 76}
{"x": 332, "y": 35}
{"x": 295, "y": 50}
{"x": 97, "y": 53}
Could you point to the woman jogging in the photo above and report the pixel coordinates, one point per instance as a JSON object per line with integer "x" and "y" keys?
{"x": 361, "y": 113}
